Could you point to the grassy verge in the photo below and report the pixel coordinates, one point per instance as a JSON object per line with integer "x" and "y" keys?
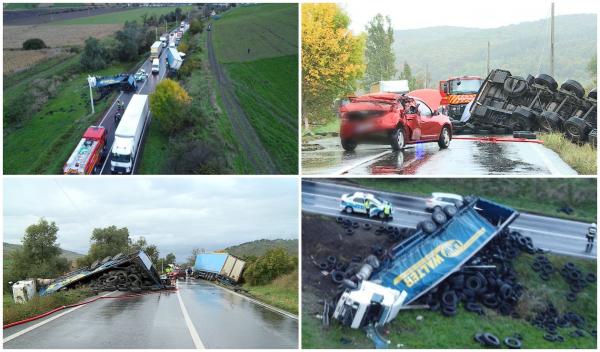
{"x": 582, "y": 158}
{"x": 535, "y": 195}
{"x": 281, "y": 292}
{"x": 123, "y": 16}
{"x": 40, "y": 304}
{"x": 436, "y": 331}
{"x": 42, "y": 143}
{"x": 272, "y": 105}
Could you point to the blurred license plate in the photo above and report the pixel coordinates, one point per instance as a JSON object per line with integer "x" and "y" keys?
{"x": 364, "y": 127}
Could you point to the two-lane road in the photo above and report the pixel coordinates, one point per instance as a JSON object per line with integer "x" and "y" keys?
{"x": 216, "y": 318}
{"x": 553, "y": 234}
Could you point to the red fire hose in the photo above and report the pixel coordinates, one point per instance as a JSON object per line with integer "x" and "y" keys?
{"x": 131, "y": 295}
{"x": 499, "y": 139}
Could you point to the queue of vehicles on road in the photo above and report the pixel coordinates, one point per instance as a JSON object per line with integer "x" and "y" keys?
{"x": 91, "y": 152}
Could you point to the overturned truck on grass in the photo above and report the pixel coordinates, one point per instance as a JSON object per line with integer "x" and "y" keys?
{"x": 133, "y": 272}
{"x": 514, "y": 103}
{"x": 381, "y": 287}
{"x": 222, "y": 267}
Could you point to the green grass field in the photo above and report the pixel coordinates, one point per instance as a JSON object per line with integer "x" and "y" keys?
{"x": 281, "y": 292}
{"x": 123, "y": 16}
{"x": 20, "y": 6}
{"x": 535, "y": 195}
{"x": 437, "y": 331}
{"x": 43, "y": 143}
{"x": 582, "y": 158}
{"x": 265, "y": 80}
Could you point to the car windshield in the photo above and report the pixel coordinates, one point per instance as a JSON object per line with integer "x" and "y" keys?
{"x": 120, "y": 158}
{"x": 466, "y": 86}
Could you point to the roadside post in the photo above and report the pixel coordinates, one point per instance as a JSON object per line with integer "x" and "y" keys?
{"x": 91, "y": 82}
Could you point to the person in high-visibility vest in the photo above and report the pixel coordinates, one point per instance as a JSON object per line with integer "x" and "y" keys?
{"x": 387, "y": 210}
{"x": 591, "y": 234}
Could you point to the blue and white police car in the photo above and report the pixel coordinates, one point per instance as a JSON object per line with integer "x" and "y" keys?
{"x": 358, "y": 201}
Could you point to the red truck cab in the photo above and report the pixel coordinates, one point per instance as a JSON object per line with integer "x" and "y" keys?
{"x": 395, "y": 119}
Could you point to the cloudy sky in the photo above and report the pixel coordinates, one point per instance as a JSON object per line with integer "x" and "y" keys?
{"x": 460, "y": 13}
{"x": 176, "y": 213}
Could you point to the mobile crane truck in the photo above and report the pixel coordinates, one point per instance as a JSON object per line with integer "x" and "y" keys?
{"x": 379, "y": 290}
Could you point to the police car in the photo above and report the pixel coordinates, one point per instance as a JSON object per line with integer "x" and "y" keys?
{"x": 355, "y": 203}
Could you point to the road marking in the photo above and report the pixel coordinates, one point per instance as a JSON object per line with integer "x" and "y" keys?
{"x": 195, "y": 338}
{"x": 408, "y": 210}
{"x": 336, "y": 213}
{"x": 571, "y": 253}
{"x": 334, "y": 185}
{"x": 553, "y": 170}
{"x": 111, "y": 107}
{"x": 280, "y": 311}
{"x": 346, "y": 169}
{"x": 35, "y": 326}
{"x": 553, "y": 219}
{"x": 548, "y": 233}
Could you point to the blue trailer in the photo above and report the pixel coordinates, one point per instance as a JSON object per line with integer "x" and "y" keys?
{"x": 105, "y": 85}
{"x": 174, "y": 60}
{"x": 219, "y": 266}
{"x": 420, "y": 263}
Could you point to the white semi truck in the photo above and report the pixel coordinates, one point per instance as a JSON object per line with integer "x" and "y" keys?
{"x": 164, "y": 41}
{"x": 128, "y": 135}
{"x": 155, "y": 50}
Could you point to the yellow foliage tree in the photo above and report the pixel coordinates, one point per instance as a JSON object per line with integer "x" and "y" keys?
{"x": 332, "y": 58}
{"x": 170, "y": 105}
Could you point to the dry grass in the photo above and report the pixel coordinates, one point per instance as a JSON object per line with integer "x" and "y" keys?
{"x": 582, "y": 158}
{"x": 17, "y": 60}
{"x": 56, "y": 35}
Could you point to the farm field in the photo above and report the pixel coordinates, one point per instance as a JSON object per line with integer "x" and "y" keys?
{"x": 56, "y": 35}
{"x": 122, "y": 16}
{"x": 269, "y": 56}
{"x": 16, "y": 60}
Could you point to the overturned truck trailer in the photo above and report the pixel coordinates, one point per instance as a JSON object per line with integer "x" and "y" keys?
{"x": 511, "y": 102}
{"x": 134, "y": 272}
{"x": 219, "y": 266}
{"x": 380, "y": 290}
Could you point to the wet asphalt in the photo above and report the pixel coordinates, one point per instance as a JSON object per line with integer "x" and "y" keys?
{"x": 463, "y": 157}
{"x": 221, "y": 318}
{"x": 553, "y": 234}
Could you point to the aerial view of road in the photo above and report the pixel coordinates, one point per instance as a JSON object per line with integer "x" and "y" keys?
{"x": 463, "y": 157}
{"x": 552, "y": 234}
{"x": 218, "y": 318}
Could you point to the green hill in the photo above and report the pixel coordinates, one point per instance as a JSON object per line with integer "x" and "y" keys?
{"x": 259, "y": 247}
{"x": 522, "y": 48}
{"x": 10, "y": 247}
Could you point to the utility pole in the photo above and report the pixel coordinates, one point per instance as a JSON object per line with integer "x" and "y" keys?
{"x": 91, "y": 81}
{"x": 488, "y": 59}
{"x": 552, "y": 41}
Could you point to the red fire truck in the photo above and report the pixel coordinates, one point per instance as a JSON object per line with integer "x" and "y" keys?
{"x": 88, "y": 154}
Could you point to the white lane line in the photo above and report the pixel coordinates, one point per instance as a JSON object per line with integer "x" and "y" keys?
{"x": 547, "y": 218}
{"x": 346, "y": 169}
{"x": 334, "y": 185}
{"x": 275, "y": 309}
{"x": 35, "y": 326}
{"x": 113, "y": 104}
{"x": 395, "y": 206}
{"x": 548, "y": 233}
{"x": 553, "y": 170}
{"x": 195, "y": 338}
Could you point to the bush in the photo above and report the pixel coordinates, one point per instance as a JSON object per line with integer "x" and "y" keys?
{"x": 266, "y": 268}
{"x": 170, "y": 106}
{"x": 95, "y": 56}
{"x": 34, "y": 44}
{"x": 196, "y": 26}
{"x": 193, "y": 157}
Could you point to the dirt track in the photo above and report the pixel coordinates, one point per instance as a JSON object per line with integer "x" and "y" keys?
{"x": 244, "y": 132}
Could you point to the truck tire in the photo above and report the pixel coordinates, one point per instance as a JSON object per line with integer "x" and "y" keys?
{"x": 450, "y": 210}
{"x": 428, "y": 226}
{"x": 592, "y": 94}
{"x": 574, "y": 87}
{"x": 549, "y": 121}
{"x": 439, "y": 217}
{"x": 397, "y": 140}
{"x": 521, "y": 119}
{"x": 348, "y": 144}
{"x": 593, "y": 138}
{"x": 576, "y": 128}
{"x": 445, "y": 138}
{"x": 515, "y": 86}
{"x": 547, "y": 81}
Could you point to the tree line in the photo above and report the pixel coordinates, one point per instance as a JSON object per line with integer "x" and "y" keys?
{"x": 40, "y": 254}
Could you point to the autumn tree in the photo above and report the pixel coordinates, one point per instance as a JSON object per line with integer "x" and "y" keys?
{"x": 170, "y": 106}
{"x": 379, "y": 55}
{"x": 332, "y": 59}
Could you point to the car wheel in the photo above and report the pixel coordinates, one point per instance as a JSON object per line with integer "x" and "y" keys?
{"x": 381, "y": 215}
{"x": 445, "y": 138}
{"x": 349, "y": 210}
{"x": 348, "y": 145}
{"x": 397, "y": 139}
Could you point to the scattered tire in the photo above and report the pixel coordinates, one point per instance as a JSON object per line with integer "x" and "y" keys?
{"x": 591, "y": 278}
{"x": 449, "y": 311}
{"x": 524, "y": 134}
{"x": 449, "y": 298}
{"x": 349, "y": 232}
{"x": 337, "y": 276}
{"x": 367, "y": 226}
{"x": 332, "y": 259}
{"x": 571, "y": 297}
{"x": 550, "y": 337}
{"x": 491, "y": 340}
{"x": 513, "y": 343}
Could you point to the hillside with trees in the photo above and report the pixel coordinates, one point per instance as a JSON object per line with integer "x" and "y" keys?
{"x": 522, "y": 48}
{"x": 260, "y": 247}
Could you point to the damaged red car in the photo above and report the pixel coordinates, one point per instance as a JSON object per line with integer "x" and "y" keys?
{"x": 394, "y": 119}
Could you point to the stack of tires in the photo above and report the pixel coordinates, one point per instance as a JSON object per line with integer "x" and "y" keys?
{"x": 536, "y": 103}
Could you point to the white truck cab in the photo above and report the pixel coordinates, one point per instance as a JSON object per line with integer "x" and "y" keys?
{"x": 370, "y": 303}
{"x": 155, "y": 66}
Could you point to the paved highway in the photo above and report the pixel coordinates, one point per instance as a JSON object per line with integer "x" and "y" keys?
{"x": 198, "y": 315}
{"x": 146, "y": 87}
{"x": 552, "y": 234}
{"x": 463, "y": 157}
